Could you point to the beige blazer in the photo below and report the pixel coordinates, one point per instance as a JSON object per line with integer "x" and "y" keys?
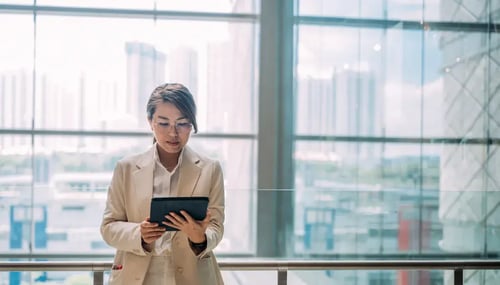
{"x": 128, "y": 204}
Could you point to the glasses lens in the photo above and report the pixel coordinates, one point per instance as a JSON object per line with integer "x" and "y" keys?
{"x": 183, "y": 127}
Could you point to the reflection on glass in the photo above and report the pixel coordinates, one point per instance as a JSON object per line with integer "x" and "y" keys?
{"x": 366, "y": 198}
{"x": 17, "y": 2}
{"x": 237, "y": 159}
{"x": 122, "y": 4}
{"x": 16, "y": 58}
{"x": 368, "y": 277}
{"x": 102, "y": 76}
{"x": 70, "y": 183}
{"x": 390, "y": 84}
{"x": 415, "y": 10}
{"x": 217, "y": 6}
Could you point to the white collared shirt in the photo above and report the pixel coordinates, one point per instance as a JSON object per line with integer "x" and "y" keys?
{"x": 165, "y": 184}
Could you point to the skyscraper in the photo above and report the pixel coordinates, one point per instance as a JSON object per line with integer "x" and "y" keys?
{"x": 358, "y": 111}
{"x": 145, "y": 71}
{"x": 15, "y": 113}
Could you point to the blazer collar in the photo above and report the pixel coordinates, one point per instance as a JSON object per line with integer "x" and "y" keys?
{"x": 189, "y": 171}
{"x": 143, "y": 181}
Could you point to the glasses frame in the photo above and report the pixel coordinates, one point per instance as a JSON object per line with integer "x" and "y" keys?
{"x": 180, "y": 127}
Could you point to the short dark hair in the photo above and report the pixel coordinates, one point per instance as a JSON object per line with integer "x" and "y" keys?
{"x": 176, "y": 94}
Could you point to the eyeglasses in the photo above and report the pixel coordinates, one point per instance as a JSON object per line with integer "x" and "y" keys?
{"x": 180, "y": 127}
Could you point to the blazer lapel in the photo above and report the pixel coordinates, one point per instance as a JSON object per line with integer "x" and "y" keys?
{"x": 189, "y": 172}
{"x": 143, "y": 182}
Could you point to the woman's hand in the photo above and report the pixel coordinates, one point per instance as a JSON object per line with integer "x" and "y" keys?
{"x": 195, "y": 230}
{"x": 150, "y": 231}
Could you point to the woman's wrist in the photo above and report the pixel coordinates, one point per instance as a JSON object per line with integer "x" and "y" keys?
{"x": 198, "y": 240}
{"x": 198, "y": 247}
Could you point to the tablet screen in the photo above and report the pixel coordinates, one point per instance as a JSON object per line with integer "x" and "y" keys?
{"x": 161, "y": 206}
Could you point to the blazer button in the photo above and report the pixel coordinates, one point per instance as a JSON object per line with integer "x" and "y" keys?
{"x": 179, "y": 269}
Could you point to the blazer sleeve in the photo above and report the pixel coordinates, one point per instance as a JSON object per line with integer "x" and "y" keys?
{"x": 116, "y": 230}
{"x": 215, "y": 229}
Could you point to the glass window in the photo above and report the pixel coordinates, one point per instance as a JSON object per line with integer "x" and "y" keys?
{"x": 17, "y": 2}
{"x": 83, "y": 87}
{"x": 122, "y": 4}
{"x": 204, "y": 55}
{"x": 218, "y": 6}
{"x": 239, "y": 180}
{"x": 398, "y": 162}
{"x": 95, "y": 74}
{"x": 366, "y": 198}
{"x": 16, "y": 71}
{"x": 374, "y": 83}
{"x": 85, "y": 66}
{"x": 410, "y": 10}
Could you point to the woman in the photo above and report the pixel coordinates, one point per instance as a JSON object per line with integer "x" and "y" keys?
{"x": 146, "y": 253}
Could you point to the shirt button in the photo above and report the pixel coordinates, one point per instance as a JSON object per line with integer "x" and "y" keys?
{"x": 179, "y": 269}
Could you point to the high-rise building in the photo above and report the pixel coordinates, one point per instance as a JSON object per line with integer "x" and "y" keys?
{"x": 230, "y": 83}
{"x": 358, "y": 111}
{"x": 345, "y": 104}
{"x": 15, "y": 113}
{"x": 183, "y": 67}
{"x": 145, "y": 71}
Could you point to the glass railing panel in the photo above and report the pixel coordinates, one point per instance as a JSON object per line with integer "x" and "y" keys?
{"x": 368, "y": 277}
{"x": 48, "y": 277}
{"x": 249, "y": 277}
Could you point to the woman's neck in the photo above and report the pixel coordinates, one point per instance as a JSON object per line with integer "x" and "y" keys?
{"x": 168, "y": 160}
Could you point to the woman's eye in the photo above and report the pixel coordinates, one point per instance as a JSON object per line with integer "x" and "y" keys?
{"x": 164, "y": 124}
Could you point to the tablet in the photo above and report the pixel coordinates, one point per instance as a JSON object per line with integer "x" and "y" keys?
{"x": 161, "y": 206}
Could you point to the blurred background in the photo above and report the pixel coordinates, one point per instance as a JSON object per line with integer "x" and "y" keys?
{"x": 346, "y": 130}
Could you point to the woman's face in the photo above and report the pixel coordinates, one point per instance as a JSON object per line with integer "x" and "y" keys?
{"x": 170, "y": 128}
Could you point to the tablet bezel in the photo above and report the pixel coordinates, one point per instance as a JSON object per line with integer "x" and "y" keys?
{"x": 196, "y": 206}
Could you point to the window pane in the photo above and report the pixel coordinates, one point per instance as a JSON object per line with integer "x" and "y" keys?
{"x": 16, "y": 178}
{"x": 339, "y": 8}
{"x": 340, "y": 86}
{"x": 72, "y": 178}
{"x": 82, "y": 73}
{"x": 394, "y": 82}
{"x": 414, "y": 10}
{"x": 368, "y": 277}
{"x": 219, "y": 6}
{"x": 205, "y": 55}
{"x": 122, "y": 4}
{"x": 73, "y": 175}
{"x": 465, "y": 82}
{"x": 17, "y": 2}
{"x": 16, "y": 71}
{"x": 494, "y": 83}
{"x": 237, "y": 158}
{"x": 367, "y": 198}
{"x": 103, "y": 74}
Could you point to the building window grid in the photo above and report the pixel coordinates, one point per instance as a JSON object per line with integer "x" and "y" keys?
{"x": 470, "y": 27}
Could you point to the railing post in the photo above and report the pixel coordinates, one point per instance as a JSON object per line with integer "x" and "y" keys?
{"x": 98, "y": 278}
{"x": 282, "y": 275}
{"x": 458, "y": 276}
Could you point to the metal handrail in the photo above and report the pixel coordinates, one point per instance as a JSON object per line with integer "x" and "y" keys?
{"x": 282, "y": 266}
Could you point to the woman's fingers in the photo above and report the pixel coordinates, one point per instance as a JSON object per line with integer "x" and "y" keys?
{"x": 150, "y": 231}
